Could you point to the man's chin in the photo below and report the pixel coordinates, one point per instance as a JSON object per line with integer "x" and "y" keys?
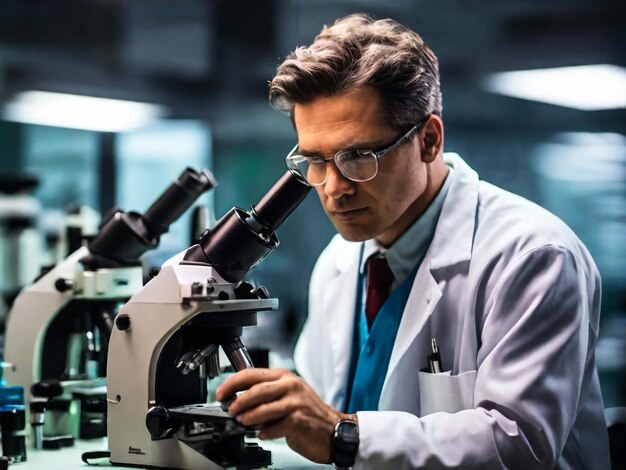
{"x": 354, "y": 234}
{"x": 353, "y": 239}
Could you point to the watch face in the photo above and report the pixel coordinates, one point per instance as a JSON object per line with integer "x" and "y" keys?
{"x": 345, "y": 444}
{"x": 348, "y": 432}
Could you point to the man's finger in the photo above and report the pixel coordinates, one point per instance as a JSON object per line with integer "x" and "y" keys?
{"x": 245, "y": 379}
{"x": 258, "y": 394}
{"x": 266, "y": 413}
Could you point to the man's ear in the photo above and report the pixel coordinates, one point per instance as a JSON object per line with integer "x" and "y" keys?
{"x": 431, "y": 138}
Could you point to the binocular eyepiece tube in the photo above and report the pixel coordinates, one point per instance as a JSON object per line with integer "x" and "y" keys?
{"x": 241, "y": 239}
{"x": 125, "y": 236}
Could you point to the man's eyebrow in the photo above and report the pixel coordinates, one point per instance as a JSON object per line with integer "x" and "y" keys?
{"x": 308, "y": 152}
{"x": 355, "y": 144}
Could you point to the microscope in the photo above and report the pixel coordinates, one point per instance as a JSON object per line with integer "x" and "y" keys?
{"x": 166, "y": 341}
{"x": 59, "y": 327}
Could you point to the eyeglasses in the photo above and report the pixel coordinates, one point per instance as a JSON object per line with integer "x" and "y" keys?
{"x": 358, "y": 165}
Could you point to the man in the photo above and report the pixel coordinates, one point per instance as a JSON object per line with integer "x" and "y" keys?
{"x": 482, "y": 355}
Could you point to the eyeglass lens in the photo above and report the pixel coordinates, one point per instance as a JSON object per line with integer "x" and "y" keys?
{"x": 353, "y": 164}
{"x": 357, "y": 165}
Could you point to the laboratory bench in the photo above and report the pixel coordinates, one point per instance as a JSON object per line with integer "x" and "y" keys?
{"x": 69, "y": 458}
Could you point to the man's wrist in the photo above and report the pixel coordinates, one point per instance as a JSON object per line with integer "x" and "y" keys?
{"x": 345, "y": 441}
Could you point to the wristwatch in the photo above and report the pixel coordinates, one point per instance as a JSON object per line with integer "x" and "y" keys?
{"x": 345, "y": 444}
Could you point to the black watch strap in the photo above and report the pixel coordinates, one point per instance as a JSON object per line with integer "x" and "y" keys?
{"x": 345, "y": 444}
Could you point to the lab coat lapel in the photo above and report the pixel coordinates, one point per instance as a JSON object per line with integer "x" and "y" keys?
{"x": 454, "y": 236}
{"x": 452, "y": 244}
{"x": 339, "y": 303}
{"x": 425, "y": 295}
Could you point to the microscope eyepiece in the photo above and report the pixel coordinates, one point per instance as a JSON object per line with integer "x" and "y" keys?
{"x": 177, "y": 199}
{"x": 240, "y": 239}
{"x": 280, "y": 201}
{"x": 125, "y": 236}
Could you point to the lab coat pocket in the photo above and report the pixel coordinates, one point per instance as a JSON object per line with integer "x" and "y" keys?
{"x": 445, "y": 392}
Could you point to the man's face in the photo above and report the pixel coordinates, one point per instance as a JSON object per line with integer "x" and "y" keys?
{"x": 384, "y": 207}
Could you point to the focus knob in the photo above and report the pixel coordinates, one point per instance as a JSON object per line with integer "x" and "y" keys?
{"x": 122, "y": 321}
{"x": 47, "y": 389}
{"x": 158, "y": 423}
{"x": 63, "y": 285}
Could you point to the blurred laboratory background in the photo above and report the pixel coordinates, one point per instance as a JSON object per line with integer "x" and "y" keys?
{"x": 104, "y": 103}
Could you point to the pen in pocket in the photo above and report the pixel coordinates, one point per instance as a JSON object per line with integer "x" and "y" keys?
{"x": 434, "y": 359}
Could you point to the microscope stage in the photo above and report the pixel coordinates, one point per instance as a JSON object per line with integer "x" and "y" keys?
{"x": 200, "y": 413}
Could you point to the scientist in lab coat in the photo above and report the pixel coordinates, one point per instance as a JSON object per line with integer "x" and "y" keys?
{"x": 508, "y": 293}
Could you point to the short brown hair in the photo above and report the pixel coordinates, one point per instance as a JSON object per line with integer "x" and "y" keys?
{"x": 357, "y": 51}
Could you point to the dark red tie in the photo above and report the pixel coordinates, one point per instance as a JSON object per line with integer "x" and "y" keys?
{"x": 378, "y": 285}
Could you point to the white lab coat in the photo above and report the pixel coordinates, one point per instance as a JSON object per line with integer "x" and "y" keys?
{"x": 513, "y": 299}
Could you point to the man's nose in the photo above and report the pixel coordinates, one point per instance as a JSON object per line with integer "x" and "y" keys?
{"x": 336, "y": 184}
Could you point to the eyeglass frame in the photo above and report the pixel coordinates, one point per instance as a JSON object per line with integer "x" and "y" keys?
{"x": 377, "y": 155}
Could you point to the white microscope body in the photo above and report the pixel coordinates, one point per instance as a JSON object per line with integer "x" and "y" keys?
{"x": 165, "y": 344}
{"x": 143, "y": 327}
{"x": 38, "y": 305}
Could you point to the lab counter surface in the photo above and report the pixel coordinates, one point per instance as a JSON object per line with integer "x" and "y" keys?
{"x": 69, "y": 458}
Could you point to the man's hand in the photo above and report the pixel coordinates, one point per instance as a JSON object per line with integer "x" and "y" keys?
{"x": 282, "y": 405}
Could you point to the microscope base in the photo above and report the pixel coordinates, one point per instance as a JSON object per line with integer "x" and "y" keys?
{"x": 203, "y": 436}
